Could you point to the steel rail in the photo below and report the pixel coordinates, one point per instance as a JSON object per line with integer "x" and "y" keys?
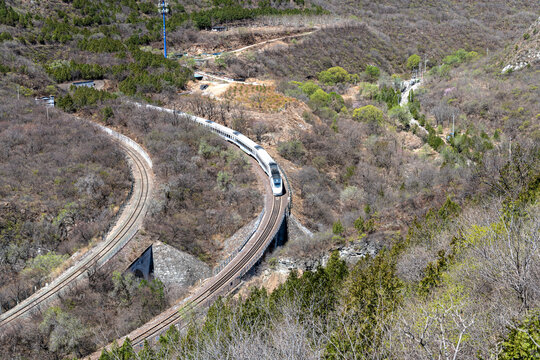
{"x": 78, "y": 270}
{"x": 223, "y": 280}
{"x": 215, "y": 287}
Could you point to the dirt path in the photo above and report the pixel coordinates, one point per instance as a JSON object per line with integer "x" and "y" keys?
{"x": 263, "y": 43}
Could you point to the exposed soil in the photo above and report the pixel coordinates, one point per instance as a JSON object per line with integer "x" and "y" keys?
{"x": 213, "y": 42}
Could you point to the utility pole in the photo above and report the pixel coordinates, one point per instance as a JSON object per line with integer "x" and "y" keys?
{"x": 18, "y": 91}
{"x": 163, "y": 8}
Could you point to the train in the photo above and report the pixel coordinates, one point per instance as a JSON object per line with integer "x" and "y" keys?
{"x": 247, "y": 145}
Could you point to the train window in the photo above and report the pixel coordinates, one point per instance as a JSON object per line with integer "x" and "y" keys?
{"x": 274, "y": 169}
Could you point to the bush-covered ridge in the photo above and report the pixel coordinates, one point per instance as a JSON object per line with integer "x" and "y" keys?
{"x": 392, "y": 306}
{"x": 62, "y": 184}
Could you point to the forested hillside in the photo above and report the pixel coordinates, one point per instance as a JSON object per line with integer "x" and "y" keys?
{"x": 62, "y": 184}
{"x": 409, "y": 132}
{"x": 451, "y": 288}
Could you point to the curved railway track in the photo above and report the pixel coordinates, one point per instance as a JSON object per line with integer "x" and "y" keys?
{"x": 217, "y": 285}
{"x": 223, "y": 282}
{"x": 126, "y": 227}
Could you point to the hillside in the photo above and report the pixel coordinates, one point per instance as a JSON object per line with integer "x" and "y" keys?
{"x": 414, "y": 222}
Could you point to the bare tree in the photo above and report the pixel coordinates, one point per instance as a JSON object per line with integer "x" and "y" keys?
{"x": 436, "y": 330}
{"x": 507, "y": 247}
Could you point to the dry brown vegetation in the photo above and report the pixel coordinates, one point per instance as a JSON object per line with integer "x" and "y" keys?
{"x": 73, "y": 326}
{"x": 341, "y": 171}
{"x": 389, "y": 32}
{"x": 63, "y": 181}
{"x": 261, "y": 97}
{"x": 205, "y": 192}
{"x": 206, "y": 188}
{"x": 196, "y": 42}
{"x": 488, "y": 100}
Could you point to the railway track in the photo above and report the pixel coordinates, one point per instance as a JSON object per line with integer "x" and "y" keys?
{"x": 222, "y": 283}
{"x": 229, "y": 277}
{"x": 126, "y": 227}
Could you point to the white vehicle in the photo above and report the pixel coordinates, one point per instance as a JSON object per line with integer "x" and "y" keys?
{"x": 244, "y": 143}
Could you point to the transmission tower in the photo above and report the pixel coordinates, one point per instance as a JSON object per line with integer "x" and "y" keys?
{"x": 163, "y": 8}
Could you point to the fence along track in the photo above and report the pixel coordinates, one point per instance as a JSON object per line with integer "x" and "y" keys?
{"x": 97, "y": 256}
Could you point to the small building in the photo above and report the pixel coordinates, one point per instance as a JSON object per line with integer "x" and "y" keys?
{"x": 85, "y": 83}
{"x": 198, "y": 76}
{"x": 219, "y": 28}
{"x": 45, "y": 100}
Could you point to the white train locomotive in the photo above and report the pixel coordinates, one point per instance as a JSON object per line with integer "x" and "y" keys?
{"x": 243, "y": 142}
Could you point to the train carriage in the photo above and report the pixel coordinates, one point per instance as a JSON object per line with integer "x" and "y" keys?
{"x": 244, "y": 143}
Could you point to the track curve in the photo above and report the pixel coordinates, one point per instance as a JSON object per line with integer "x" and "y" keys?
{"x": 127, "y": 225}
{"x": 276, "y": 210}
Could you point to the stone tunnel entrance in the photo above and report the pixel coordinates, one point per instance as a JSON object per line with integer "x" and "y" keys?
{"x": 143, "y": 267}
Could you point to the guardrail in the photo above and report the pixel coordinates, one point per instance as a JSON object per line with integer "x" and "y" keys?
{"x": 225, "y": 262}
{"x": 123, "y": 138}
{"x": 289, "y": 189}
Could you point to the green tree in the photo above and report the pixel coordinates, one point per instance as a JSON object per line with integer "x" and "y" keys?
{"x": 292, "y": 150}
{"x": 523, "y": 340}
{"x": 320, "y": 99}
{"x": 124, "y": 287}
{"x": 389, "y": 96}
{"x": 336, "y": 268}
{"x": 334, "y": 75}
{"x": 309, "y": 87}
{"x": 400, "y": 114}
{"x": 368, "y": 114}
{"x": 337, "y": 228}
{"x": 359, "y": 225}
{"x": 65, "y": 331}
{"x": 372, "y": 73}
{"x": 124, "y": 352}
{"x": 336, "y": 101}
{"x": 41, "y": 266}
{"x": 413, "y": 61}
{"x": 107, "y": 113}
{"x": 65, "y": 103}
{"x": 368, "y": 91}
{"x": 168, "y": 342}
{"x": 372, "y": 291}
